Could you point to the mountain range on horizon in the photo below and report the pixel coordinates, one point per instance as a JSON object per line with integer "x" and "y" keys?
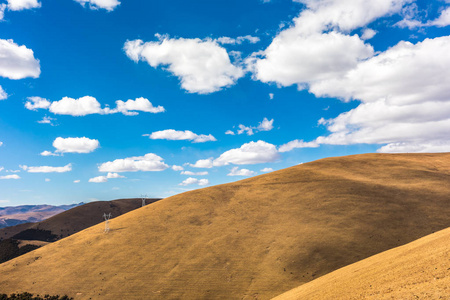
{"x": 15, "y": 215}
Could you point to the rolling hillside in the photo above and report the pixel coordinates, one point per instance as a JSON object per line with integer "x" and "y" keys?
{"x": 77, "y": 218}
{"x": 418, "y": 270}
{"x": 252, "y": 239}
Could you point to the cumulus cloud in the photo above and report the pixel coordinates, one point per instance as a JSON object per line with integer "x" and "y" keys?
{"x": 14, "y": 176}
{"x": 131, "y": 107}
{"x": 403, "y": 90}
{"x": 76, "y": 181}
{"x": 297, "y": 144}
{"x": 201, "y": 65}
{"x": 17, "y": 62}
{"x": 302, "y": 60}
{"x": 177, "y": 168}
{"x": 47, "y": 180}
{"x": 114, "y": 175}
{"x": 47, "y": 169}
{"x": 203, "y": 163}
{"x": 241, "y": 172}
{"x": 109, "y": 5}
{"x": 98, "y": 179}
{"x": 248, "y": 154}
{"x": 194, "y": 173}
{"x": 192, "y": 180}
{"x": 88, "y": 105}
{"x": 48, "y": 153}
{"x": 267, "y": 170}
{"x": 368, "y": 34}
{"x": 3, "y": 94}
{"x": 264, "y": 125}
{"x": 404, "y": 100}
{"x": 76, "y": 107}
{"x": 75, "y": 145}
{"x": 146, "y": 163}
{"x": 35, "y": 103}
{"x": 404, "y": 97}
{"x": 174, "y": 135}
{"x": 23, "y": 4}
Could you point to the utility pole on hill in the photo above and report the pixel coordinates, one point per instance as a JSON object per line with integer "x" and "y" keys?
{"x": 143, "y": 197}
{"x": 107, "y": 217}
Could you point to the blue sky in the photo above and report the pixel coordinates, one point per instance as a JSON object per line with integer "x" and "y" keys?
{"x": 105, "y": 99}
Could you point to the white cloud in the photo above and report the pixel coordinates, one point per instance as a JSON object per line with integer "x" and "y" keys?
{"x": 203, "y": 163}
{"x": 175, "y": 135}
{"x": 246, "y": 129}
{"x": 264, "y": 125}
{"x": 297, "y": 144}
{"x": 14, "y": 176}
{"x": 322, "y": 15}
{"x": 23, "y": 4}
{"x": 109, "y": 5}
{"x": 48, "y": 153}
{"x": 317, "y": 47}
{"x": 17, "y": 62}
{"x": 35, "y": 103}
{"x": 250, "y": 153}
{"x": 114, "y": 175}
{"x": 202, "y": 65}
{"x": 146, "y": 163}
{"x": 239, "y": 40}
{"x": 98, "y": 179}
{"x": 267, "y": 170}
{"x": 76, "y": 181}
{"x": 177, "y": 168}
{"x": 48, "y": 169}
{"x": 3, "y": 94}
{"x": 76, "y": 107}
{"x": 271, "y": 96}
{"x": 241, "y": 172}
{"x": 191, "y": 180}
{"x": 46, "y": 120}
{"x": 194, "y": 173}
{"x": 89, "y": 105}
{"x": 2, "y": 11}
{"x": 404, "y": 97}
{"x": 412, "y": 21}
{"x": 75, "y": 145}
{"x": 47, "y": 180}
{"x": 426, "y": 147}
{"x": 368, "y": 34}
{"x": 131, "y": 107}
{"x": 1, "y": 169}
{"x": 293, "y": 58}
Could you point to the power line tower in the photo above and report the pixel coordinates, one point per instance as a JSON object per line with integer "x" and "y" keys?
{"x": 107, "y": 217}
{"x": 143, "y": 197}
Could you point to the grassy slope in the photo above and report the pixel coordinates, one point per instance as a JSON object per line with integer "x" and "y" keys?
{"x": 257, "y": 237}
{"x": 418, "y": 270}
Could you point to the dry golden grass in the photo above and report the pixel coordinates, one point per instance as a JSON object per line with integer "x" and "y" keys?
{"x": 253, "y": 239}
{"x": 418, "y": 270}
